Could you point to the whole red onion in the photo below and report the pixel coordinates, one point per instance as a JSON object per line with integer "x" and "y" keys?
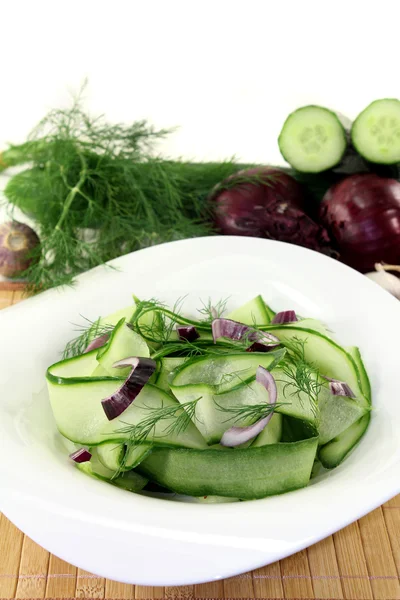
{"x": 362, "y": 213}
{"x": 17, "y": 241}
{"x": 266, "y": 202}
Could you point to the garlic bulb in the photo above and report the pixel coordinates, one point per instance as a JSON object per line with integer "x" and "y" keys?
{"x": 386, "y": 280}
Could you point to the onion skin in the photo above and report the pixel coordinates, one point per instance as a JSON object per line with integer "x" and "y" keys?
{"x": 362, "y": 213}
{"x": 272, "y": 207}
{"x": 17, "y": 241}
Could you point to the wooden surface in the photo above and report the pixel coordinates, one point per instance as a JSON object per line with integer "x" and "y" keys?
{"x": 361, "y": 562}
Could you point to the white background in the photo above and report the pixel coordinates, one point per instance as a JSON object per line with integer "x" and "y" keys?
{"x": 226, "y": 72}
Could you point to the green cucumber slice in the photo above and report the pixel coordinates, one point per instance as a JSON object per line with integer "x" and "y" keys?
{"x": 79, "y": 415}
{"x": 114, "y": 318}
{"x": 242, "y": 473}
{"x": 326, "y": 355}
{"x": 212, "y": 418}
{"x": 364, "y": 379}
{"x": 271, "y": 434}
{"x": 333, "y": 453}
{"x": 136, "y": 454}
{"x": 293, "y": 401}
{"x": 123, "y": 343}
{"x": 375, "y": 133}
{"x": 110, "y": 454}
{"x": 337, "y": 413}
{"x": 312, "y": 139}
{"x": 168, "y": 365}
{"x": 226, "y": 371}
{"x": 253, "y": 312}
{"x": 130, "y": 481}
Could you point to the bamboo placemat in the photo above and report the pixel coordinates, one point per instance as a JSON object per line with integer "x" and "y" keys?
{"x": 361, "y": 562}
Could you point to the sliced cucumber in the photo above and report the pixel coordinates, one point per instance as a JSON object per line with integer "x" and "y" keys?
{"x": 325, "y": 354}
{"x": 110, "y": 454}
{"x": 212, "y": 416}
{"x": 295, "y": 430}
{"x": 364, "y": 379}
{"x": 130, "y": 481}
{"x": 114, "y": 318}
{"x": 76, "y": 404}
{"x": 315, "y": 325}
{"x": 224, "y": 372}
{"x": 293, "y": 401}
{"x": 247, "y": 474}
{"x": 272, "y": 433}
{"x": 312, "y": 139}
{"x": 123, "y": 343}
{"x": 333, "y": 453}
{"x": 253, "y": 312}
{"x": 376, "y": 132}
{"x": 337, "y": 414}
{"x": 136, "y": 454}
{"x": 168, "y": 365}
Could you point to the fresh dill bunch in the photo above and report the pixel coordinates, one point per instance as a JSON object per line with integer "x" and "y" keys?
{"x": 182, "y": 415}
{"x": 88, "y": 333}
{"x": 98, "y": 190}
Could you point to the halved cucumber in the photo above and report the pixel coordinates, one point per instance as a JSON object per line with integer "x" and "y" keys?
{"x": 333, "y": 453}
{"x": 123, "y": 343}
{"x": 376, "y": 132}
{"x": 242, "y": 473}
{"x": 312, "y": 139}
{"x": 253, "y": 312}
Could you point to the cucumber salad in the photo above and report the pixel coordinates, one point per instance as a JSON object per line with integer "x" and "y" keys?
{"x": 224, "y": 407}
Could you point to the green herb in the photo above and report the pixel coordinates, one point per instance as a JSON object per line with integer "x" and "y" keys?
{"x": 182, "y": 415}
{"x": 211, "y": 311}
{"x": 98, "y": 190}
{"x": 250, "y": 412}
{"x": 303, "y": 376}
{"x": 91, "y": 331}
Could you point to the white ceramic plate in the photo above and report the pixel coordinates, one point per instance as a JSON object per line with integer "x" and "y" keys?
{"x": 149, "y": 541}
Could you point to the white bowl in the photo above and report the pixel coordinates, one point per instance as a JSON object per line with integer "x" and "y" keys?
{"x": 149, "y": 541}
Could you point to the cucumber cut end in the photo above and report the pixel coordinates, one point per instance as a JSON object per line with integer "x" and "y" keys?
{"x": 312, "y": 139}
{"x": 376, "y": 132}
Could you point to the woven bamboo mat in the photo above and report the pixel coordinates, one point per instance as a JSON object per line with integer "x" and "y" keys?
{"x": 361, "y": 562}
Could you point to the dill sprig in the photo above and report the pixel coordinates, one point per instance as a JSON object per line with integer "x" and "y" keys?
{"x": 182, "y": 415}
{"x": 248, "y": 412}
{"x": 98, "y": 190}
{"x": 212, "y": 310}
{"x": 303, "y": 376}
{"x": 92, "y": 330}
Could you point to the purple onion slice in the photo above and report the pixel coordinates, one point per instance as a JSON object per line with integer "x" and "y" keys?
{"x": 235, "y": 436}
{"x": 97, "y": 343}
{"x": 142, "y": 370}
{"x": 80, "y": 456}
{"x": 339, "y": 388}
{"x": 187, "y": 333}
{"x": 286, "y": 316}
{"x": 237, "y": 331}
